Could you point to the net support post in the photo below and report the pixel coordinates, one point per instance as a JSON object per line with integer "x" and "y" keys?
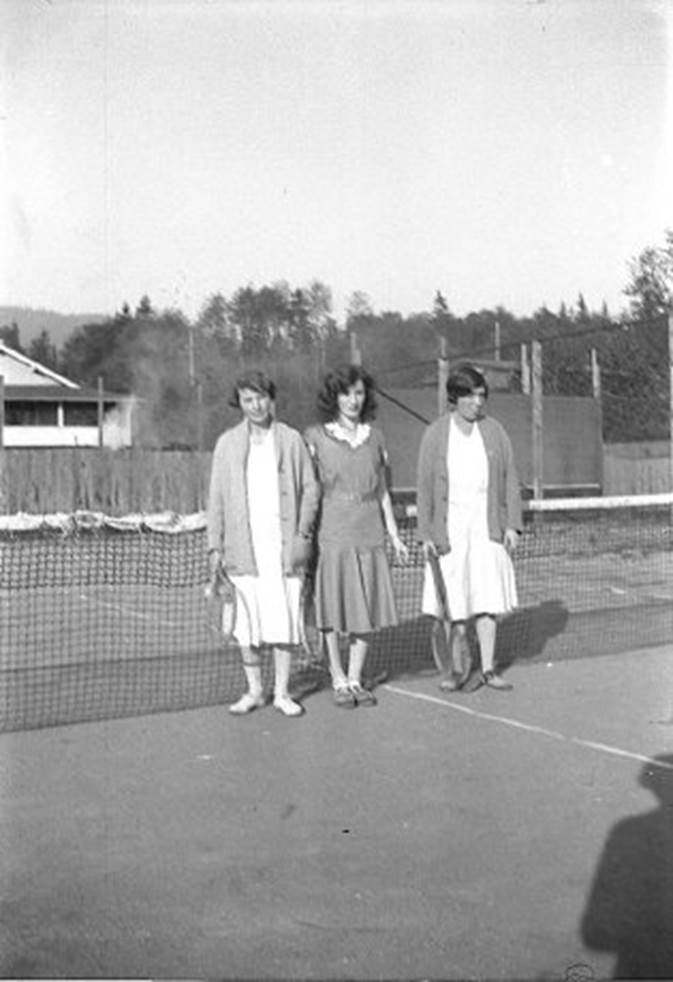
{"x": 442, "y": 377}
{"x": 537, "y": 419}
{"x": 525, "y": 371}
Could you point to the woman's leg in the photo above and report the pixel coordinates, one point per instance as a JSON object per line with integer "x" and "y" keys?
{"x": 254, "y": 697}
{"x": 281, "y": 699}
{"x": 486, "y": 626}
{"x": 359, "y": 646}
{"x": 342, "y": 695}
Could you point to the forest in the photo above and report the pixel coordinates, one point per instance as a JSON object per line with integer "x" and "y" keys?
{"x": 182, "y": 371}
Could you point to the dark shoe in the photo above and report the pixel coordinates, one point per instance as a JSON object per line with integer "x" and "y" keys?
{"x": 494, "y": 681}
{"x": 362, "y": 696}
{"x": 343, "y": 697}
{"x": 474, "y": 682}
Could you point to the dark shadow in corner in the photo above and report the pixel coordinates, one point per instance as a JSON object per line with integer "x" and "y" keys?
{"x": 630, "y": 906}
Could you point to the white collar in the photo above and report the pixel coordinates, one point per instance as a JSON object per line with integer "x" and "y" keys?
{"x": 354, "y": 437}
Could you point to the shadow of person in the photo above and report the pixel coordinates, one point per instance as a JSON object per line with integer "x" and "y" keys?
{"x": 630, "y": 906}
{"x": 524, "y": 634}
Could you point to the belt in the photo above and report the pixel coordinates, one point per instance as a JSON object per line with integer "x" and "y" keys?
{"x": 354, "y": 497}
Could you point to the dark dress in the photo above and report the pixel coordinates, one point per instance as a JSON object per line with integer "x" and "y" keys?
{"x": 353, "y": 589}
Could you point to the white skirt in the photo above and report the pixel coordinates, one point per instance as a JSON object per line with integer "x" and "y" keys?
{"x": 268, "y": 610}
{"x": 478, "y": 579}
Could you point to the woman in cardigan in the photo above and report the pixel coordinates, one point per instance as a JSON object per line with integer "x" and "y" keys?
{"x": 261, "y": 508}
{"x": 469, "y": 517}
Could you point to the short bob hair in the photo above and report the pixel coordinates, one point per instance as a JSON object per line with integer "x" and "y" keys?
{"x": 255, "y": 380}
{"x": 338, "y": 383}
{"x": 463, "y": 381}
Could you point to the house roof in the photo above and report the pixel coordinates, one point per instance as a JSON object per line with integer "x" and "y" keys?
{"x": 58, "y": 393}
{"x": 28, "y": 367}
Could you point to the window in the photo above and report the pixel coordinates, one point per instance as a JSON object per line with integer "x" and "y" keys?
{"x": 80, "y": 414}
{"x": 31, "y": 414}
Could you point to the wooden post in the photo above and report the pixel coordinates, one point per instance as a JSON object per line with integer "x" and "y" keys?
{"x": 101, "y": 410}
{"x": 442, "y": 376}
{"x": 497, "y": 341}
{"x": 356, "y": 354}
{"x": 199, "y": 416}
{"x": 3, "y": 462}
{"x": 538, "y": 424}
{"x": 595, "y": 375}
{"x": 525, "y": 371}
{"x": 670, "y": 398}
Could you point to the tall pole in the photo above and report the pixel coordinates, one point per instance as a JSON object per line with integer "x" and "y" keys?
{"x": 442, "y": 376}
{"x": 670, "y": 397}
{"x": 3, "y": 487}
{"x": 595, "y": 375}
{"x": 356, "y": 354}
{"x": 538, "y": 431}
{"x": 525, "y": 371}
{"x": 101, "y": 410}
{"x": 497, "y": 340}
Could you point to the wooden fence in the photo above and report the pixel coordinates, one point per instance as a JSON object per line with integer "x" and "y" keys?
{"x": 123, "y": 482}
{"x": 116, "y": 482}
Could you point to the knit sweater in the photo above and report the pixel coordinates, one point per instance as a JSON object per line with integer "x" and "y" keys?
{"x": 503, "y": 496}
{"x": 227, "y": 512}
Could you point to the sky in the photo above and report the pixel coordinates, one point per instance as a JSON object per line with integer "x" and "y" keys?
{"x": 504, "y": 152}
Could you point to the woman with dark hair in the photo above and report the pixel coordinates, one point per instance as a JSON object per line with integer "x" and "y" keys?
{"x": 353, "y": 587}
{"x": 261, "y": 508}
{"x": 469, "y": 518}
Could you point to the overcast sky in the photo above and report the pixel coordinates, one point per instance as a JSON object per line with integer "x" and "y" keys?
{"x": 503, "y": 151}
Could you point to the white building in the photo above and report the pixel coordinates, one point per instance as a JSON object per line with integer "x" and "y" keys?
{"x": 45, "y": 409}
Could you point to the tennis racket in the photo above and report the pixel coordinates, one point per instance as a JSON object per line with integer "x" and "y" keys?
{"x": 440, "y": 637}
{"x": 220, "y": 596}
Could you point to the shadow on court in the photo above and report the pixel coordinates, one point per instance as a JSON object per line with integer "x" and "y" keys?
{"x": 629, "y": 908}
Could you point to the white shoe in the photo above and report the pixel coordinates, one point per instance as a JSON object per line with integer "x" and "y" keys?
{"x": 287, "y": 706}
{"x": 246, "y": 704}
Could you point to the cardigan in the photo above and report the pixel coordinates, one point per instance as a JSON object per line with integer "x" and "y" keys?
{"x": 228, "y": 524}
{"x": 432, "y": 502}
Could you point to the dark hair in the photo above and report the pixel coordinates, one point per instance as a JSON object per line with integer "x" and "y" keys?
{"x": 257, "y": 381}
{"x": 339, "y": 382}
{"x": 463, "y": 381}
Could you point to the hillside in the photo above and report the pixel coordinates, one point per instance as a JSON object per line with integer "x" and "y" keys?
{"x": 31, "y": 322}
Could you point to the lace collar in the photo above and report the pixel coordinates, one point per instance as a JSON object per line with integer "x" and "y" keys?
{"x": 355, "y": 438}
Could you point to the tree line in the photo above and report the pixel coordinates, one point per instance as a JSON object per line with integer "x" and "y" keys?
{"x": 182, "y": 371}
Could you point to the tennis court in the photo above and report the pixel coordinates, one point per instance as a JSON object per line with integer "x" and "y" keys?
{"x": 431, "y": 837}
{"x": 435, "y": 836}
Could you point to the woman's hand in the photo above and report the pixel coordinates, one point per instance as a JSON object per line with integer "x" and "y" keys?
{"x": 429, "y": 549}
{"x": 215, "y": 563}
{"x": 302, "y": 550}
{"x": 511, "y": 540}
{"x": 399, "y": 548}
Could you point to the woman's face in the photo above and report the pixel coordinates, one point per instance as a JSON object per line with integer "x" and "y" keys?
{"x": 351, "y": 403}
{"x": 471, "y": 406}
{"x": 255, "y": 406}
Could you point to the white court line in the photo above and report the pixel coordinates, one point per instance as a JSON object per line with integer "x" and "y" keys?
{"x": 515, "y": 724}
{"x": 132, "y": 611}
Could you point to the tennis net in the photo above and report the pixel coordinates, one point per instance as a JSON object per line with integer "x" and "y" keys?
{"x": 105, "y": 617}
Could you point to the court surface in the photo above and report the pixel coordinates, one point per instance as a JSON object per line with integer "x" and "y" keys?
{"x": 434, "y": 837}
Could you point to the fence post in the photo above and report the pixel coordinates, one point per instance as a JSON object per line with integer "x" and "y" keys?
{"x": 538, "y": 423}
{"x": 595, "y": 375}
{"x": 442, "y": 376}
{"x": 670, "y": 398}
{"x": 3, "y": 462}
{"x": 356, "y": 354}
{"x": 101, "y": 409}
{"x": 525, "y": 371}
{"x": 496, "y": 350}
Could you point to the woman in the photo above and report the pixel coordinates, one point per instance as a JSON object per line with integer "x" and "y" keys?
{"x": 261, "y": 508}
{"x": 469, "y": 516}
{"x": 353, "y": 589}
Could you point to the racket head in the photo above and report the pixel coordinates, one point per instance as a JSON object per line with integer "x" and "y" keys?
{"x": 220, "y": 597}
